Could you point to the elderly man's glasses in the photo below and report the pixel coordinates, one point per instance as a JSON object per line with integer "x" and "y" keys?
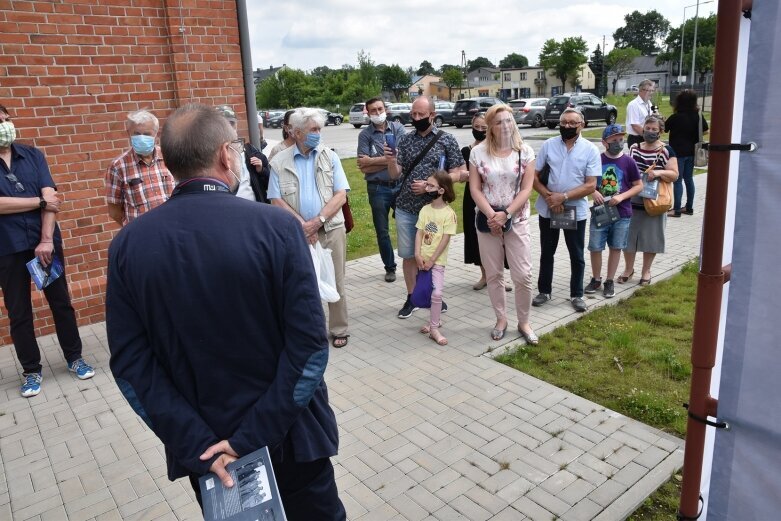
{"x": 240, "y": 142}
{"x": 19, "y": 186}
{"x": 570, "y": 124}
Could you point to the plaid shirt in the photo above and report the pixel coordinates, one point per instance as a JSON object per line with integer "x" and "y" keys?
{"x": 138, "y": 186}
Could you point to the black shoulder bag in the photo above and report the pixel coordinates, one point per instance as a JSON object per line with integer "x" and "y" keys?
{"x": 481, "y": 220}
{"x": 412, "y": 166}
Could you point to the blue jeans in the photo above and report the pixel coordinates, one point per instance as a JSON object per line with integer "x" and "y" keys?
{"x": 380, "y": 199}
{"x": 685, "y": 175}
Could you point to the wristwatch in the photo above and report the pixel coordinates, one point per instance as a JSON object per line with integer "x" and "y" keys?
{"x": 565, "y": 197}
{"x": 42, "y": 203}
{"x": 322, "y": 219}
{"x": 509, "y": 215}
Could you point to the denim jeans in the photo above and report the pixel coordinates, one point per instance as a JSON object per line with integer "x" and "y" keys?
{"x": 685, "y": 176}
{"x": 549, "y": 240}
{"x": 380, "y": 199}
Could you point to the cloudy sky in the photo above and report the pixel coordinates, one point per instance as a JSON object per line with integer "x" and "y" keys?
{"x": 304, "y": 34}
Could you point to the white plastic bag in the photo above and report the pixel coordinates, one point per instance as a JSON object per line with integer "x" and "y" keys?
{"x": 324, "y": 269}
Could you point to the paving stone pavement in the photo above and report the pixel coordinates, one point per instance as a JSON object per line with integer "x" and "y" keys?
{"x": 427, "y": 432}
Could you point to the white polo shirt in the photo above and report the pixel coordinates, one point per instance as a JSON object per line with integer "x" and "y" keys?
{"x": 636, "y": 112}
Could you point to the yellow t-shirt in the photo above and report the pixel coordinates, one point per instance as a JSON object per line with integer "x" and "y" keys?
{"x": 435, "y": 223}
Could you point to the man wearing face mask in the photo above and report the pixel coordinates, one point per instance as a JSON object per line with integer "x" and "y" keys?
{"x": 419, "y": 154}
{"x": 138, "y": 180}
{"x": 254, "y": 165}
{"x": 637, "y": 110}
{"x": 574, "y": 167}
{"x": 308, "y": 181}
{"x": 215, "y": 380}
{"x": 28, "y": 230}
{"x": 380, "y": 187}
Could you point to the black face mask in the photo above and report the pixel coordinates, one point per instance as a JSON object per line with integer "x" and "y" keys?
{"x": 568, "y": 133}
{"x": 421, "y": 125}
{"x": 479, "y": 135}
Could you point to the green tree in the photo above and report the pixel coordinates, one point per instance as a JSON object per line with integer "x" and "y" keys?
{"x": 643, "y": 31}
{"x": 393, "y": 78}
{"x": 703, "y": 62}
{"x": 268, "y": 93}
{"x": 477, "y": 63}
{"x": 425, "y": 68}
{"x": 514, "y": 61}
{"x": 596, "y": 63}
{"x": 564, "y": 58}
{"x": 620, "y": 61}
{"x": 446, "y": 67}
{"x": 671, "y": 52}
{"x": 452, "y": 77}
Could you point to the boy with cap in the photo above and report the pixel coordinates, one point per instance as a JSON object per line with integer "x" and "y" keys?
{"x": 620, "y": 180}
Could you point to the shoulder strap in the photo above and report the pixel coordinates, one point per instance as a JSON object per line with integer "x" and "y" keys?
{"x": 420, "y": 156}
{"x": 699, "y": 124}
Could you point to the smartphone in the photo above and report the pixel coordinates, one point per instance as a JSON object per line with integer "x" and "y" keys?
{"x": 390, "y": 140}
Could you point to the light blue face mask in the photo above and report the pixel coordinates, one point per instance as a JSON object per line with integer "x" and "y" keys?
{"x": 312, "y": 139}
{"x": 143, "y": 145}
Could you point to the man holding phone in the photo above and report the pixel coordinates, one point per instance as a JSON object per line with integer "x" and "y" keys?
{"x": 381, "y": 188}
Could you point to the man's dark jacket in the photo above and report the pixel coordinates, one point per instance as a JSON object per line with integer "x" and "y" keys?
{"x": 216, "y": 330}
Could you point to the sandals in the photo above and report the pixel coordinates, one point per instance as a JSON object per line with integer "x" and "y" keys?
{"x": 339, "y": 341}
{"x": 623, "y": 279}
{"x": 498, "y": 334}
{"x": 644, "y": 282}
{"x": 531, "y": 338}
{"x": 426, "y": 328}
{"x": 437, "y": 337}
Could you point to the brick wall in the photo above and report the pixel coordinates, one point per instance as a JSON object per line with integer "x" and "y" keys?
{"x": 69, "y": 74}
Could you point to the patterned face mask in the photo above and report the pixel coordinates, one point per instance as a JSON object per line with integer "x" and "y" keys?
{"x": 7, "y": 134}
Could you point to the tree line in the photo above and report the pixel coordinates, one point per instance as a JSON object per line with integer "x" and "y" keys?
{"x": 648, "y": 33}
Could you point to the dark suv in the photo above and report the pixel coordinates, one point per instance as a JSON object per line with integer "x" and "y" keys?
{"x": 465, "y": 109}
{"x": 590, "y": 106}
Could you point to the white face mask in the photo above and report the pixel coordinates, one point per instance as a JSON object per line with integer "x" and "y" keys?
{"x": 379, "y": 119}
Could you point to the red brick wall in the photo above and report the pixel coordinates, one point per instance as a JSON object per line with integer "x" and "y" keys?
{"x": 71, "y": 71}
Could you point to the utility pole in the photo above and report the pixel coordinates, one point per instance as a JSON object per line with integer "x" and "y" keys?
{"x": 602, "y": 79}
{"x": 466, "y": 73}
{"x": 694, "y": 45}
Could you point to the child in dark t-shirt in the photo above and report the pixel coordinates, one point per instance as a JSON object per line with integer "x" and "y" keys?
{"x": 620, "y": 180}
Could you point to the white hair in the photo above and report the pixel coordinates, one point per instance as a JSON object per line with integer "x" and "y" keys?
{"x": 139, "y": 117}
{"x": 302, "y": 116}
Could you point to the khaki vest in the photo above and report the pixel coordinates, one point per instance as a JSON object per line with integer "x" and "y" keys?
{"x": 285, "y": 167}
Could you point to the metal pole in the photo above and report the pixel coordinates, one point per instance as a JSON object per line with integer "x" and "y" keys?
{"x": 680, "y": 62}
{"x": 246, "y": 65}
{"x": 694, "y": 45}
{"x": 602, "y": 79}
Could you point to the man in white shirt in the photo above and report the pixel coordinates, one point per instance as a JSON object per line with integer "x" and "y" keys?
{"x": 637, "y": 110}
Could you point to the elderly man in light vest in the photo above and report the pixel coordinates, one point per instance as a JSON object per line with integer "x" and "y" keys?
{"x": 307, "y": 180}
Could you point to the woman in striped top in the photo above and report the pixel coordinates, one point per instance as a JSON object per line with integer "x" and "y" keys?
{"x": 646, "y": 233}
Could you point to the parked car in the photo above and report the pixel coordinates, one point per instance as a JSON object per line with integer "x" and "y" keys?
{"x": 399, "y": 112}
{"x": 331, "y": 118}
{"x": 358, "y": 115}
{"x": 591, "y": 107}
{"x": 444, "y": 112}
{"x": 465, "y": 109}
{"x": 529, "y": 111}
{"x": 631, "y": 91}
{"x": 266, "y": 115}
{"x": 275, "y": 118}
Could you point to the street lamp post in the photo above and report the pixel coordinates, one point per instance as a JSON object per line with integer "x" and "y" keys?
{"x": 683, "y": 29}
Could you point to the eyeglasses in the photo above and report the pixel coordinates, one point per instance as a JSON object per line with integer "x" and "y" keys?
{"x": 240, "y": 142}
{"x": 19, "y": 186}
{"x": 570, "y": 124}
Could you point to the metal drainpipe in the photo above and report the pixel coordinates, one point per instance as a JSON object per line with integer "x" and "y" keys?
{"x": 246, "y": 66}
{"x": 711, "y": 277}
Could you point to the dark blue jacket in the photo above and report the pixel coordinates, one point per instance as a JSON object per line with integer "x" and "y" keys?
{"x": 216, "y": 330}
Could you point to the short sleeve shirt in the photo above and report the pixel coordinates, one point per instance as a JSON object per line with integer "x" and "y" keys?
{"x": 136, "y": 185}
{"x": 22, "y": 231}
{"x": 445, "y": 152}
{"x": 568, "y": 170}
{"x": 502, "y": 176}
{"x": 435, "y": 224}
{"x": 371, "y": 141}
{"x": 647, "y": 158}
{"x": 618, "y": 176}
{"x": 636, "y": 112}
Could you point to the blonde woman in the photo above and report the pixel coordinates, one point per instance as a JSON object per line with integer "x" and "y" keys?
{"x": 501, "y": 174}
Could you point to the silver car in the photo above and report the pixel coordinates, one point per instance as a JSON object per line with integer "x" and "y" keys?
{"x": 358, "y": 115}
{"x": 529, "y": 111}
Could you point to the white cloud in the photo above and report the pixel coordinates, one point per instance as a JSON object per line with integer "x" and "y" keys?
{"x": 305, "y": 35}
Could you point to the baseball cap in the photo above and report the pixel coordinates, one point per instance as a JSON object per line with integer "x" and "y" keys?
{"x": 227, "y": 112}
{"x": 612, "y": 130}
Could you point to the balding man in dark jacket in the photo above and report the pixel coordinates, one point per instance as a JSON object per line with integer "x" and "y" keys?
{"x": 215, "y": 326}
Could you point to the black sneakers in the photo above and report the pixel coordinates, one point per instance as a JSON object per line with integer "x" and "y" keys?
{"x": 593, "y": 286}
{"x": 407, "y": 310}
{"x": 541, "y": 299}
{"x": 608, "y": 291}
{"x": 579, "y": 304}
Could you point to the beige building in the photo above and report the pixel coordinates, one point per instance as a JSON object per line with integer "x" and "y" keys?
{"x": 423, "y": 86}
{"x": 526, "y": 82}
